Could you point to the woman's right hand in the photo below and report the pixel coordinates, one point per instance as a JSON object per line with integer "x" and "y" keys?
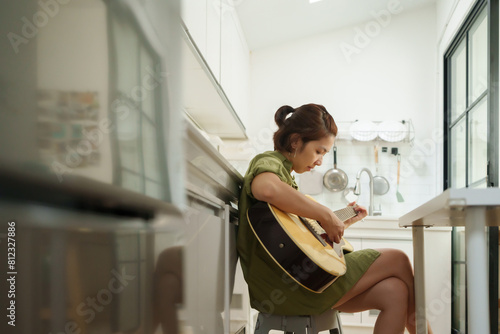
{"x": 333, "y": 227}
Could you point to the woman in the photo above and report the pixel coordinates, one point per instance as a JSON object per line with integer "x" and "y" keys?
{"x": 375, "y": 279}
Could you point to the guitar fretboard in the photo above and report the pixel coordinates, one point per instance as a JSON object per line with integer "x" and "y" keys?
{"x": 345, "y": 213}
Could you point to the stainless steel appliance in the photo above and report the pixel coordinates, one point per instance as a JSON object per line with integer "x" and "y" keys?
{"x": 91, "y": 179}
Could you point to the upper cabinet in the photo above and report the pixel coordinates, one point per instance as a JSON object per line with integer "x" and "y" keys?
{"x": 235, "y": 63}
{"x": 216, "y": 68}
{"x": 213, "y": 39}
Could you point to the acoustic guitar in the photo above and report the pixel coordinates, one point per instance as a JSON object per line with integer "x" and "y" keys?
{"x": 300, "y": 246}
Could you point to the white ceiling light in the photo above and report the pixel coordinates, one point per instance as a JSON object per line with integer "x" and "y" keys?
{"x": 313, "y": 1}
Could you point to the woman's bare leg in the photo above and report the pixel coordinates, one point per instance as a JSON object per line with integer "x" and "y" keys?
{"x": 387, "y": 296}
{"x": 390, "y": 263}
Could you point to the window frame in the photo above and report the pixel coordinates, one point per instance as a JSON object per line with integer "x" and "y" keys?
{"x": 492, "y": 168}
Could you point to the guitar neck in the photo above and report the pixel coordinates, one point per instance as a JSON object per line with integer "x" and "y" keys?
{"x": 345, "y": 213}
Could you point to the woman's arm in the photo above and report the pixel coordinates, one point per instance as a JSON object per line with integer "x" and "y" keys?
{"x": 269, "y": 188}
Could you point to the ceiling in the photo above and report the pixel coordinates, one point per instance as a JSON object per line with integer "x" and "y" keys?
{"x": 271, "y": 22}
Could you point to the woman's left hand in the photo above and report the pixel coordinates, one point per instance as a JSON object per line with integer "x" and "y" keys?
{"x": 361, "y": 214}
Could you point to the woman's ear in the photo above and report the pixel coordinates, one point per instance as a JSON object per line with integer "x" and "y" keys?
{"x": 295, "y": 141}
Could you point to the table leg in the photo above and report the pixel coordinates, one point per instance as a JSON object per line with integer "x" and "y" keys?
{"x": 418, "y": 263}
{"x": 477, "y": 271}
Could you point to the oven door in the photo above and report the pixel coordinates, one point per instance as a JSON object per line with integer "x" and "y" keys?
{"x": 80, "y": 272}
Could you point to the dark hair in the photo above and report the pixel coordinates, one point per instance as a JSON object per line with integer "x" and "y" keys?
{"x": 310, "y": 122}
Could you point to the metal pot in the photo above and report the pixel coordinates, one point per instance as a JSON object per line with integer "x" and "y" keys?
{"x": 380, "y": 185}
{"x": 335, "y": 179}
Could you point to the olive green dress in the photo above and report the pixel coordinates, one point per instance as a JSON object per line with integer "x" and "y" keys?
{"x": 271, "y": 289}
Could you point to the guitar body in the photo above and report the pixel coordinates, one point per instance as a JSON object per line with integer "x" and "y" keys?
{"x": 305, "y": 255}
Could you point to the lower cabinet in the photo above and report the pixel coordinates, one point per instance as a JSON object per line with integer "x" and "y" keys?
{"x": 210, "y": 253}
{"x": 384, "y": 232}
{"x": 363, "y": 322}
{"x": 204, "y": 269}
{"x": 209, "y": 267}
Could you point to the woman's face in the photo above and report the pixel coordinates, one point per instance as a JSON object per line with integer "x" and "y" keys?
{"x": 311, "y": 154}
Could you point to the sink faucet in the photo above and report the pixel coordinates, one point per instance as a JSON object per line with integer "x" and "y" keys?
{"x": 357, "y": 187}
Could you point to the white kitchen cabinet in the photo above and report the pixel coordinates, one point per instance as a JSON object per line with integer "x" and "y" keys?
{"x": 204, "y": 267}
{"x": 374, "y": 233}
{"x": 214, "y": 30}
{"x": 235, "y": 60}
{"x": 194, "y": 16}
{"x": 210, "y": 252}
{"x": 213, "y": 48}
{"x": 384, "y": 232}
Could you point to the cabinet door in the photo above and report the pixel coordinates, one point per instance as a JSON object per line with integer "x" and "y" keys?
{"x": 228, "y": 56}
{"x": 194, "y": 16}
{"x": 213, "y": 29}
{"x": 204, "y": 269}
{"x": 235, "y": 63}
{"x": 369, "y": 317}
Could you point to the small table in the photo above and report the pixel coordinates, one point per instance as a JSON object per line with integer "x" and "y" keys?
{"x": 475, "y": 209}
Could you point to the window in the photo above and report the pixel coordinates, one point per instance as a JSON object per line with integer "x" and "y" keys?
{"x": 466, "y": 114}
{"x": 471, "y": 137}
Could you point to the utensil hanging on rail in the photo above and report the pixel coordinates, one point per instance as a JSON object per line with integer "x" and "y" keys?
{"x": 335, "y": 179}
{"x": 398, "y": 194}
{"x": 380, "y": 183}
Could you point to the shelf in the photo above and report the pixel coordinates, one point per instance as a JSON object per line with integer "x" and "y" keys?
{"x": 401, "y": 131}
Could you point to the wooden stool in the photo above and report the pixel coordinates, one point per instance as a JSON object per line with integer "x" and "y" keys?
{"x": 305, "y": 324}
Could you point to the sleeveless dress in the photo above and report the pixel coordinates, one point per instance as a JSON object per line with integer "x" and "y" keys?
{"x": 270, "y": 289}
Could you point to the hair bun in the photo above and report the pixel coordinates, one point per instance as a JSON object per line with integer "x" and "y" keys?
{"x": 281, "y": 115}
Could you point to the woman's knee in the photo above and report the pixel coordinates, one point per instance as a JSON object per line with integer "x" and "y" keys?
{"x": 398, "y": 259}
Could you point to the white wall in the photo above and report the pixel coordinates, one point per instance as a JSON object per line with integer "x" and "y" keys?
{"x": 390, "y": 75}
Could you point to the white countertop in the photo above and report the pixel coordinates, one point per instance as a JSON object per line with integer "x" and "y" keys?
{"x": 475, "y": 209}
{"x": 449, "y": 208}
